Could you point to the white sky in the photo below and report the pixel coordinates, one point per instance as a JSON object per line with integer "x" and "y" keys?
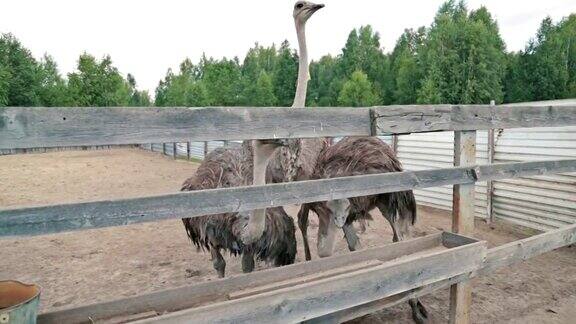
{"x": 145, "y": 37}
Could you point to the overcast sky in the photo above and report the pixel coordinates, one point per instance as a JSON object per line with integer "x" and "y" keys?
{"x": 145, "y": 37}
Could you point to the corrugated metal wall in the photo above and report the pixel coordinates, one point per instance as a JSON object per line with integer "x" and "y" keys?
{"x": 540, "y": 202}
{"x": 60, "y": 149}
{"x": 434, "y": 151}
{"x": 196, "y": 148}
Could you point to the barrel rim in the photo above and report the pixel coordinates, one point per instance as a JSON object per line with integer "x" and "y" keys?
{"x": 34, "y": 296}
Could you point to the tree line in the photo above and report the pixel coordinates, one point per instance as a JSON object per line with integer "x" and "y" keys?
{"x": 459, "y": 58}
{"x": 25, "y": 81}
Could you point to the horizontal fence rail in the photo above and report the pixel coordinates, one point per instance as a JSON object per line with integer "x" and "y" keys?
{"x": 31, "y": 127}
{"x": 67, "y": 217}
{"x": 429, "y": 118}
{"x": 49, "y": 127}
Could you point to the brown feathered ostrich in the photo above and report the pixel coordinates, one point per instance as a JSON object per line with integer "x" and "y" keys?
{"x": 232, "y": 167}
{"x": 295, "y": 160}
{"x": 357, "y": 156}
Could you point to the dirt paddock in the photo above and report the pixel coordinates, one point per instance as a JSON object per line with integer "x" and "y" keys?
{"x": 97, "y": 265}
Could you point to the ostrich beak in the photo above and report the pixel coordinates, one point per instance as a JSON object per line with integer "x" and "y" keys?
{"x": 276, "y": 142}
{"x": 340, "y": 221}
{"x": 317, "y": 7}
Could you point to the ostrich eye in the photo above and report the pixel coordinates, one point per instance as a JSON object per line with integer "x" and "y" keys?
{"x": 300, "y": 5}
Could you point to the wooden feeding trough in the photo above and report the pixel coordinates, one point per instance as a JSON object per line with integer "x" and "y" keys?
{"x": 298, "y": 292}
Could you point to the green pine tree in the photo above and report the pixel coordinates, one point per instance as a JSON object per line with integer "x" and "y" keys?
{"x": 98, "y": 83}
{"x": 53, "y": 91}
{"x": 285, "y": 74}
{"x": 19, "y": 74}
{"x": 357, "y": 92}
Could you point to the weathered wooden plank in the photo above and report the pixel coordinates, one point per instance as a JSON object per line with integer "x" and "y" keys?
{"x": 26, "y": 127}
{"x": 522, "y": 250}
{"x": 498, "y": 257}
{"x": 451, "y": 240}
{"x": 463, "y": 221}
{"x": 326, "y": 296}
{"x": 463, "y": 194}
{"x": 378, "y": 305}
{"x": 304, "y": 279}
{"x": 427, "y": 118}
{"x": 194, "y": 295}
{"x": 67, "y": 217}
{"x": 490, "y": 183}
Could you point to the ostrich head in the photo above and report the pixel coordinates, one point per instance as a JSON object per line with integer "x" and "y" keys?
{"x": 304, "y": 10}
{"x": 336, "y": 210}
{"x": 340, "y": 209}
{"x": 267, "y": 146}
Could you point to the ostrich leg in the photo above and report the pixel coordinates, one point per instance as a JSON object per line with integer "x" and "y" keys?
{"x": 362, "y": 226}
{"x": 218, "y": 261}
{"x": 248, "y": 261}
{"x": 303, "y": 225}
{"x": 419, "y": 312}
{"x": 351, "y": 237}
{"x": 398, "y": 233}
{"x": 326, "y": 236}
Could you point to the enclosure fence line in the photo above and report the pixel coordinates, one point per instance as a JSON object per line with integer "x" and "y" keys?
{"x": 539, "y": 203}
{"x": 382, "y": 282}
{"x": 542, "y": 203}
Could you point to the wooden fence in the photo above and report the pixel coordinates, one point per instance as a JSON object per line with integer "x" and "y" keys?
{"x": 22, "y": 128}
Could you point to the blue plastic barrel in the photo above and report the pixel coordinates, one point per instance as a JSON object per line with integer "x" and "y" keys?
{"x": 18, "y": 302}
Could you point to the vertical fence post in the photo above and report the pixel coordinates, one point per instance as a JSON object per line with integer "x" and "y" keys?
{"x": 463, "y": 222}
{"x": 164, "y": 149}
{"x": 205, "y": 149}
{"x": 489, "y": 183}
{"x": 175, "y": 150}
{"x": 188, "y": 150}
{"x": 395, "y": 144}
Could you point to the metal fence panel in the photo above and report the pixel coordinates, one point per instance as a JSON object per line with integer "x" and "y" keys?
{"x": 436, "y": 150}
{"x": 541, "y": 202}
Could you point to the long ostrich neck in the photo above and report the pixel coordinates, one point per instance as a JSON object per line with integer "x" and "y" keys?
{"x": 262, "y": 153}
{"x": 302, "y": 84}
{"x": 257, "y": 223}
{"x": 261, "y": 160}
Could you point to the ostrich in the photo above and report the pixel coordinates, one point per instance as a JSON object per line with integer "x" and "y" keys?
{"x": 232, "y": 167}
{"x": 296, "y": 160}
{"x": 356, "y": 156}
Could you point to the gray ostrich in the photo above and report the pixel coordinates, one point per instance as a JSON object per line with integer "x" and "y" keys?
{"x": 268, "y": 234}
{"x": 232, "y": 167}
{"x": 296, "y": 160}
{"x": 358, "y": 156}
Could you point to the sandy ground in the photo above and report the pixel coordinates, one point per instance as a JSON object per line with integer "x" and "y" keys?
{"x": 97, "y": 265}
